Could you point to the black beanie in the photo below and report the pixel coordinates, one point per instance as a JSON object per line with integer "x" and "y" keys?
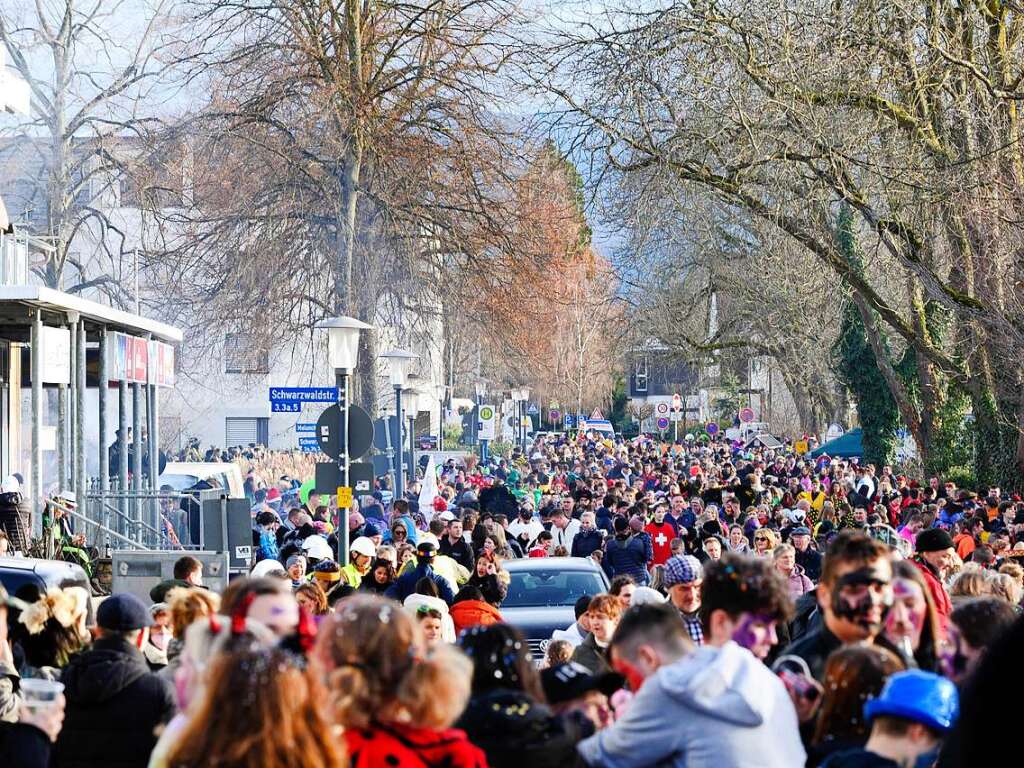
{"x": 933, "y": 540}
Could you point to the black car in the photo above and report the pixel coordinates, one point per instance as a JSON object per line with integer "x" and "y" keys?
{"x": 544, "y": 591}
{"x": 27, "y": 578}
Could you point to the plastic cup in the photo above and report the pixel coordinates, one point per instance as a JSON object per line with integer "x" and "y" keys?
{"x": 40, "y": 694}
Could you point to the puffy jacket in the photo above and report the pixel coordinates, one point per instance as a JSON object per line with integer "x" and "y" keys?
{"x": 586, "y": 543}
{"x": 16, "y": 520}
{"x": 798, "y": 583}
{"x": 628, "y": 556}
{"x": 114, "y": 705}
{"x": 592, "y": 656}
{"x": 474, "y": 613}
{"x": 714, "y": 708}
{"x": 940, "y": 597}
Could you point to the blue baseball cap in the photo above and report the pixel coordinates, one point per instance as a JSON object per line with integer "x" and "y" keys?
{"x": 921, "y": 697}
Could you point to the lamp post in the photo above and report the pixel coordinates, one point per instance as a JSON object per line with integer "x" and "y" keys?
{"x": 343, "y": 354}
{"x": 481, "y": 393}
{"x": 412, "y": 397}
{"x": 398, "y": 363}
{"x": 519, "y": 398}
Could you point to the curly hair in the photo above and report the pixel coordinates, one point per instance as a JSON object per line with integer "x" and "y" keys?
{"x": 744, "y": 584}
{"x": 186, "y": 604}
{"x": 377, "y": 672}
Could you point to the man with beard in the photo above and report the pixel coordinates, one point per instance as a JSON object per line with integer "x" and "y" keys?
{"x": 854, "y": 594}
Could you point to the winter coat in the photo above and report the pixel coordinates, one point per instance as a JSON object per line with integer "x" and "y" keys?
{"x": 474, "y": 613}
{"x": 461, "y": 552}
{"x": 493, "y": 588}
{"x": 384, "y": 746}
{"x": 717, "y": 707}
{"x": 405, "y": 584}
{"x": 586, "y": 543}
{"x": 814, "y": 648}
{"x": 810, "y": 561}
{"x": 798, "y": 583}
{"x": 515, "y": 731}
{"x": 859, "y": 758}
{"x": 592, "y": 656}
{"x": 943, "y": 606}
{"x": 24, "y": 746}
{"x": 114, "y": 705}
{"x": 628, "y": 556}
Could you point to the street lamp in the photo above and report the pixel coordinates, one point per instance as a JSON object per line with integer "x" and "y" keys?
{"x": 343, "y": 355}
{"x": 481, "y": 393}
{"x": 519, "y": 397}
{"x": 398, "y": 364}
{"x": 413, "y": 398}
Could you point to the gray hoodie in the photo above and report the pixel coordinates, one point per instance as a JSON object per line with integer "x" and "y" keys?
{"x": 715, "y": 708}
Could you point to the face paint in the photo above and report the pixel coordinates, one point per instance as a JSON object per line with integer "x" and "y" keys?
{"x": 633, "y": 676}
{"x": 862, "y": 597}
{"x": 906, "y": 617}
{"x": 756, "y": 633}
{"x": 951, "y": 656}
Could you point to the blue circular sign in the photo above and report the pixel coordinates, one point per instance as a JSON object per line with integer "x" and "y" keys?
{"x": 662, "y": 423}
{"x": 711, "y": 428}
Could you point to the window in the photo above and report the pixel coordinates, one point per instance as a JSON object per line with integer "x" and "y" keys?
{"x": 536, "y": 588}
{"x": 640, "y": 374}
{"x": 241, "y": 356}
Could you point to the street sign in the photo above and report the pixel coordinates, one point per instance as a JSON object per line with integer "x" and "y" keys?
{"x": 306, "y": 428}
{"x": 747, "y": 415}
{"x": 597, "y": 415}
{"x": 677, "y": 400}
{"x": 662, "y": 423}
{"x": 328, "y": 477}
{"x": 533, "y": 410}
{"x": 554, "y": 415}
{"x": 360, "y": 478}
{"x": 290, "y": 399}
{"x": 570, "y": 420}
{"x": 488, "y": 423}
{"x": 677, "y": 416}
{"x": 711, "y": 428}
{"x": 309, "y": 444}
{"x": 661, "y": 409}
{"x": 360, "y": 432}
{"x": 344, "y": 496}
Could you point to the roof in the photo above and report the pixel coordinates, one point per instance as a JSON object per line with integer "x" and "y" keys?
{"x": 845, "y": 446}
{"x": 51, "y": 301}
{"x": 766, "y": 439}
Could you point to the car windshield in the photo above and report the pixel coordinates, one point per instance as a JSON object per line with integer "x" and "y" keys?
{"x": 547, "y": 588}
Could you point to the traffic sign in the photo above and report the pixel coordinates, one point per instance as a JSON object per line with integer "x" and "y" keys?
{"x": 677, "y": 400}
{"x": 360, "y": 432}
{"x": 597, "y": 415}
{"x": 677, "y": 415}
{"x": 309, "y": 444}
{"x": 533, "y": 410}
{"x": 306, "y": 428}
{"x": 661, "y": 409}
{"x": 711, "y": 428}
{"x": 344, "y": 496}
{"x": 279, "y": 407}
{"x": 487, "y": 425}
{"x": 554, "y": 415}
{"x": 570, "y": 420}
{"x": 662, "y": 424}
{"x": 747, "y": 415}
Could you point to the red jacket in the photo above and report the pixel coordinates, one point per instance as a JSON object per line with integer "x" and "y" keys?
{"x": 938, "y": 591}
{"x": 473, "y": 613}
{"x": 409, "y": 747}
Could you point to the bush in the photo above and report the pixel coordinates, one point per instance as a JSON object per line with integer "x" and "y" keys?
{"x": 963, "y": 476}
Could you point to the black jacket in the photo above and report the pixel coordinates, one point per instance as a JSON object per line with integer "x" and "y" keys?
{"x": 24, "y": 746}
{"x": 814, "y": 648}
{"x": 461, "y": 552}
{"x": 114, "y": 705}
{"x": 493, "y": 589}
{"x": 810, "y": 561}
{"x": 515, "y": 731}
{"x": 859, "y": 758}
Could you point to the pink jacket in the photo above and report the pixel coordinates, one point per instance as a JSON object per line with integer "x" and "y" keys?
{"x": 798, "y": 582}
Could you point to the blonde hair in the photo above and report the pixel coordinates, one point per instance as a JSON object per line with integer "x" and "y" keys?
{"x": 187, "y": 604}
{"x": 1014, "y": 571}
{"x": 559, "y": 652}
{"x": 970, "y": 584}
{"x": 1005, "y": 586}
{"x": 782, "y": 550}
{"x": 373, "y": 651}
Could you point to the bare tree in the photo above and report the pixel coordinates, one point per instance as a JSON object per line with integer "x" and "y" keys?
{"x": 92, "y": 67}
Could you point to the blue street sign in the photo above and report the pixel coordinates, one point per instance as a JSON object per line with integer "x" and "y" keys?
{"x": 533, "y": 410}
{"x": 309, "y": 444}
{"x": 570, "y": 421}
{"x": 279, "y": 407}
{"x": 711, "y": 428}
{"x": 306, "y": 427}
{"x": 303, "y": 394}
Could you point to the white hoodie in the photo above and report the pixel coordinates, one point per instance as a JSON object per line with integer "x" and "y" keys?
{"x": 715, "y": 708}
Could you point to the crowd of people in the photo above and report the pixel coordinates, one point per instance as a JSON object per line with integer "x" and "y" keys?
{"x": 764, "y": 608}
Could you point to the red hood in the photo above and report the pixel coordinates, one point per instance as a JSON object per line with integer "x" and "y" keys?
{"x": 472, "y": 613}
